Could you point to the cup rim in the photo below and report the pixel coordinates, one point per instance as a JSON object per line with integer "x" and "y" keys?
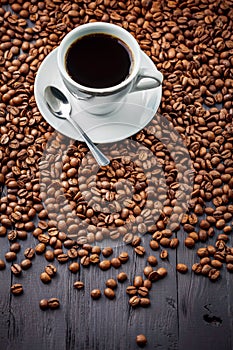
{"x": 100, "y": 27}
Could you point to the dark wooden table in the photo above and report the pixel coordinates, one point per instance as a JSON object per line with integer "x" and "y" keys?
{"x": 186, "y": 312}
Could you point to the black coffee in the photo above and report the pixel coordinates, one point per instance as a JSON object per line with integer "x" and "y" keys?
{"x": 98, "y": 61}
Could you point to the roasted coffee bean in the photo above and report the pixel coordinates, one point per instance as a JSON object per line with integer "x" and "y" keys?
{"x": 197, "y": 268}
{"x": 131, "y": 290}
{"x": 140, "y": 250}
{"x": 2, "y": 264}
{"x": 182, "y": 268}
{"x": 165, "y": 242}
{"x": 230, "y": 267}
{"x": 134, "y": 301}
{"x": 202, "y": 252}
{"x": 163, "y": 254}
{"x": 95, "y": 294}
{"x": 152, "y": 260}
{"x": 74, "y": 267}
{"x": 40, "y": 248}
{"x": 107, "y": 252}
{"x": 147, "y": 270}
{"x": 143, "y": 291}
{"x": 144, "y": 302}
{"x": 78, "y": 285}
{"x": 49, "y": 255}
{"x": 10, "y": 256}
{"x": 122, "y": 277}
{"x": 29, "y": 253}
{"x": 229, "y": 259}
{"x": 17, "y": 289}
{"x": 141, "y": 340}
{"x": 136, "y": 241}
{"x": 45, "y": 278}
{"x": 153, "y": 276}
{"x": 62, "y": 258}
{"x": 111, "y": 283}
{"x": 189, "y": 242}
{"x": 44, "y": 304}
{"x": 138, "y": 281}
{"x": 96, "y": 250}
{"x": 128, "y": 237}
{"x": 154, "y": 245}
{"x": 123, "y": 257}
{"x": 53, "y": 303}
{"x": 116, "y": 263}
{"x": 12, "y": 235}
{"x": 3, "y": 231}
{"x": 83, "y": 252}
{"x": 109, "y": 293}
{"x": 16, "y": 269}
{"x": 15, "y": 247}
{"x": 26, "y": 264}
{"x": 72, "y": 253}
{"x": 174, "y": 243}
{"x": 105, "y": 265}
{"x": 162, "y": 272}
{"x": 214, "y": 274}
{"x": 51, "y": 270}
{"x": 147, "y": 283}
{"x": 94, "y": 258}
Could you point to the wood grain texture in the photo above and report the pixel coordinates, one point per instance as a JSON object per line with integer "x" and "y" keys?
{"x": 205, "y": 320}
{"x": 187, "y": 311}
{"x": 5, "y": 297}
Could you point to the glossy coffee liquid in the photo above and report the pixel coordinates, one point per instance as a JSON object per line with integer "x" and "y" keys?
{"x": 98, "y": 61}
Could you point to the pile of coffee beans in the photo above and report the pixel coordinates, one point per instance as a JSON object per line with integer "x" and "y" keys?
{"x": 155, "y": 185}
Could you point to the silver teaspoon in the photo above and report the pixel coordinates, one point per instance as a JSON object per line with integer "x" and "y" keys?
{"x": 59, "y": 105}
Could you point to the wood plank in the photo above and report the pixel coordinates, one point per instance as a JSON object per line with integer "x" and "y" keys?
{"x": 205, "y": 321}
{"x": 5, "y": 283}
{"x": 29, "y": 326}
{"x": 5, "y": 296}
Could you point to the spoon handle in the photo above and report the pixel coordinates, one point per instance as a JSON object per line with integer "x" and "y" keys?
{"x": 101, "y": 159}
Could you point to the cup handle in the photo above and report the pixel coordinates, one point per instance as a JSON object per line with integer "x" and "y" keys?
{"x": 153, "y": 79}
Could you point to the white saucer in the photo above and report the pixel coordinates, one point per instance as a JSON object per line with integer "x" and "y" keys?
{"x": 130, "y": 117}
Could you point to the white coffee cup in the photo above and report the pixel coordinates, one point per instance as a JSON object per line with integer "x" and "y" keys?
{"x": 100, "y": 101}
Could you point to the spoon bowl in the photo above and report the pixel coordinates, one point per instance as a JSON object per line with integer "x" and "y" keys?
{"x": 60, "y": 107}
